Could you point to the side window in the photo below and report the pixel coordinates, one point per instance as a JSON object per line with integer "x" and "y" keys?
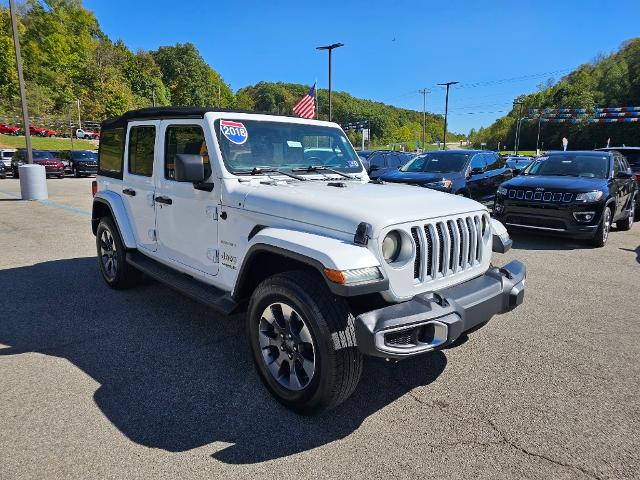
{"x": 377, "y": 159}
{"x": 478, "y": 162}
{"x": 395, "y": 160}
{"x": 142, "y": 141}
{"x": 616, "y": 166}
{"x": 110, "y": 153}
{"x": 187, "y": 139}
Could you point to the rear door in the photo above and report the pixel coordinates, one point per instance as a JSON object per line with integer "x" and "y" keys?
{"x": 496, "y": 174}
{"x": 625, "y": 185}
{"x": 138, "y": 181}
{"x": 187, "y": 216}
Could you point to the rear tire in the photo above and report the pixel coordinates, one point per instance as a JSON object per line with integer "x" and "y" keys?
{"x": 115, "y": 270}
{"x": 602, "y": 233}
{"x": 627, "y": 223}
{"x": 303, "y": 342}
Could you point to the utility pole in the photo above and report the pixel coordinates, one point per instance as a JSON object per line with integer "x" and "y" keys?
{"x": 330, "y": 48}
{"x": 446, "y": 110}
{"x": 153, "y": 96}
{"x": 538, "y": 139}
{"x": 424, "y": 92}
{"x": 23, "y": 96}
{"x": 78, "y": 103}
{"x": 517, "y": 141}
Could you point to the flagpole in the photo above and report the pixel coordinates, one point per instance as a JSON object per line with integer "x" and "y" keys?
{"x": 315, "y": 87}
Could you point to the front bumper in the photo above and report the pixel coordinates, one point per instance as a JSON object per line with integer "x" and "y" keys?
{"x": 435, "y": 320}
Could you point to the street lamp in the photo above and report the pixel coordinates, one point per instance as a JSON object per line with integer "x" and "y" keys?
{"x": 330, "y": 49}
{"x": 446, "y": 110}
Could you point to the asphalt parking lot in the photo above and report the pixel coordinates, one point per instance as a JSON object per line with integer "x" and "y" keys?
{"x": 144, "y": 383}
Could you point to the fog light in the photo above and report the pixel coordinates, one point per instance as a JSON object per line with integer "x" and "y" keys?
{"x": 498, "y": 208}
{"x": 584, "y": 216}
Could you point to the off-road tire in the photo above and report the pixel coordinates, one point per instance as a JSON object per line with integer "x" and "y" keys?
{"x": 600, "y": 239}
{"x": 338, "y": 362}
{"x": 125, "y": 275}
{"x": 627, "y": 223}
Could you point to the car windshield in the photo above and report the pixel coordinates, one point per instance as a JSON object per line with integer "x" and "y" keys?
{"x": 84, "y": 156}
{"x": 590, "y": 166}
{"x": 252, "y": 144}
{"x": 440, "y": 162}
{"x": 42, "y": 154}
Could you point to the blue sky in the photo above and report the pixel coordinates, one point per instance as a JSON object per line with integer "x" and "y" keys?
{"x": 496, "y": 49}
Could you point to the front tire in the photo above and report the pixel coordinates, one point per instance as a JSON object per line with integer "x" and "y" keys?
{"x": 303, "y": 343}
{"x": 115, "y": 270}
{"x": 602, "y": 233}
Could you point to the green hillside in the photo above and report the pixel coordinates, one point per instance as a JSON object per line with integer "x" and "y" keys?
{"x": 68, "y": 58}
{"x": 609, "y": 81}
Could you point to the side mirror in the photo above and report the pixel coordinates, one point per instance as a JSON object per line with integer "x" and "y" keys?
{"x": 477, "y": 171}
{"x": 516, "y": 172}
{"x": 189, "y": 168}
{"x": 373, "y": 168}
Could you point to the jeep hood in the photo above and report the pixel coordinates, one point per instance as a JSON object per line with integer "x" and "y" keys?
{"x": 567, "y": 184}
{"x": 343, "y": 208}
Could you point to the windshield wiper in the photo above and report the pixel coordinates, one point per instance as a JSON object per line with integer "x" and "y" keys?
{"x": 317, "y": 168}
{"x": 262, "y": 170}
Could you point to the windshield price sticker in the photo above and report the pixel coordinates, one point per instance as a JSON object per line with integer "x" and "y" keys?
{"x": 235, "y": 132}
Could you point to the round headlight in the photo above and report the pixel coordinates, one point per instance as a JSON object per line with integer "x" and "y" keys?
{"x": 391, "y": 246}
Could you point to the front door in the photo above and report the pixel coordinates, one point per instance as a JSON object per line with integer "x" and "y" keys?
{"x": 138, "y": 181}
{"x": 187, "y": 217}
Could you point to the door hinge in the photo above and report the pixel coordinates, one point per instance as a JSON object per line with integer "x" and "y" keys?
{"x": 212, "y": 212}
{"x": 212, "y": 254}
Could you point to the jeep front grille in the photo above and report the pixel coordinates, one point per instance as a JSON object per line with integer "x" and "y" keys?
{"x": 445, "y": 248}
{"x": 538, "y": 196}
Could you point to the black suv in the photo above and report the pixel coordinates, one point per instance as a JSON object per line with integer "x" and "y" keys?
{"x": 576, "y": 193}
{"x": 380, "y": 162}
{"x": 472, "y": 173}
{"x": 79, "y": 162}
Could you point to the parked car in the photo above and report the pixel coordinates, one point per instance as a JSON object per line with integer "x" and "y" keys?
{"x": 364, "y": 155}
{"x": 328, "y": 266}
{"x": 79, "y": 162}
{"x": 42, "y": 132}
{"x": 9, "y": 129}
{"x": 632, "y": 155}
{"x": 472, "y": 173}
{"x": 87, "y": 134}
{"x": 384, "y": 161}
{"x": 52, "y": 164}
{"x": 577, "y": 193}
{"x": 5, "y": 156}
{"x": 3, "y": 171}
{"x": 517, "y": 163}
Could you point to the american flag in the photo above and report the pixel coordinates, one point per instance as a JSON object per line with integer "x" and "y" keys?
{"x": 306, "y": 107}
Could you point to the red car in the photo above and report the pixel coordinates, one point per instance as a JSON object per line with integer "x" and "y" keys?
{"x": 53, "y": 166}
{"x": 42, "y": 132}
{"x": 9, "y": 129}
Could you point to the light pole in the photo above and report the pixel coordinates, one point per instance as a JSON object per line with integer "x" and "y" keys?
{"x": 424, "y": 92}
{"x": 538, "y": 139}
{"x": 330, "y": 49}
{"x": 517, "y": 141}
{"x": 23, "y": 96}
{"x": 446, "y": 110}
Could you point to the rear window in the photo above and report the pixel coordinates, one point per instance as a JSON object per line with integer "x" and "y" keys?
{"x": 110, "y": 153}
{"x": 633, "y": 158}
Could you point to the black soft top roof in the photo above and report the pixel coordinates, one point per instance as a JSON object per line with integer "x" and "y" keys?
{"x": 161, "y": 113}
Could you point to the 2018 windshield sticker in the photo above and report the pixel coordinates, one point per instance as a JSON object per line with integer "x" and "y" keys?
{"x": 235, "y": 132}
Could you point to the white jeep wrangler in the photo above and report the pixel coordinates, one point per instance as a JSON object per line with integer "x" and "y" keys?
{"x": 277, "y": 216}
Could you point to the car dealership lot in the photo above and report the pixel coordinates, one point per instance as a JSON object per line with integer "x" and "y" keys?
{"x": 97, "y": 383}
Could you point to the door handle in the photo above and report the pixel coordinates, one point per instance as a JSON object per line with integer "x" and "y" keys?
{"x": 164, "y": 200}
{"x": 129, "y": 191}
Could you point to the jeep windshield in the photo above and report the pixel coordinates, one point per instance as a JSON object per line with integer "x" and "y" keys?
{"x": 590, "y": 166}
{"x": 252, "y": 146}
{"x": 441, "y": 162}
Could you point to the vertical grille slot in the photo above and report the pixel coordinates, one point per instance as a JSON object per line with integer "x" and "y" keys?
{"x": 472, "y": 240}
{"x": 441, "y": 266}
{"x": 451, "y": 244}
{"x": 418, "y": 259}
{"x": 479, "y": 236}
{"x": 429, "y": 252}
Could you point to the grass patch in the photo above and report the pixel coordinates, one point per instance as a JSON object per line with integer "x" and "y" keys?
{"x": 40, "y": 143}
{"x": 526, "y": 153}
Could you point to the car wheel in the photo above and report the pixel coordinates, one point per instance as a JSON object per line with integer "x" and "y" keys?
{"x": 16, "y": 174}
{"x": 303, "y": 343}
{"x": 627, "y": 223}
{"x": 602, "y": 233}
{"x": 75, "y": 172}
{"x": 111, "y": 257}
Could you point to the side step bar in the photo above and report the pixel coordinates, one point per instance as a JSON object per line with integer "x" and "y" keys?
{"x": 207, "y": 294}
